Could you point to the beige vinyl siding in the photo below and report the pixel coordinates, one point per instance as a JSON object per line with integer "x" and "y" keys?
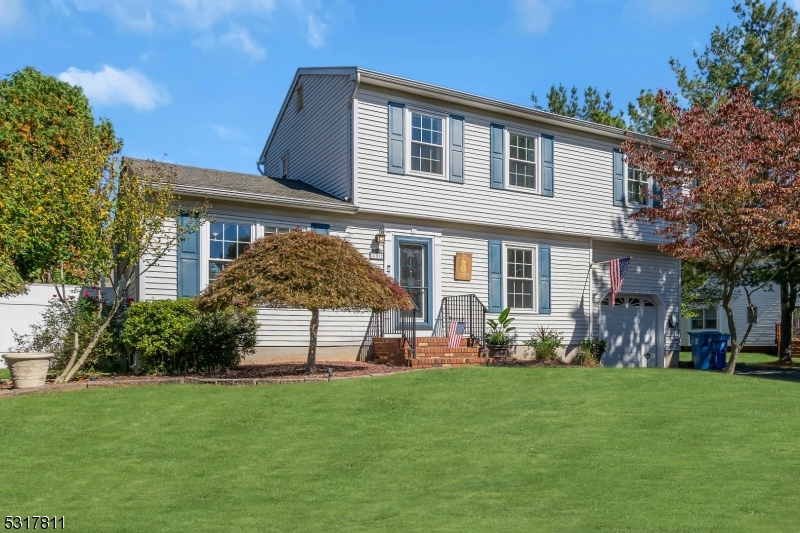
{"x": 582, "y": 206}
{"x": 160, "y": 279}
{"x": 316, "y": 139}
{"x": 768, "y": 302}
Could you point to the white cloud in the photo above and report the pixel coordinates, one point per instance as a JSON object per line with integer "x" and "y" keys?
{"x": 316, "y": 31}
{"x": 227, "y": 134}
{"x": 110, "y": 86}
{"x": 143, "y": 15}
{"x": 11, "y": 13}
{"x": 239, "y": 39}
{"x": 535, "y": 16}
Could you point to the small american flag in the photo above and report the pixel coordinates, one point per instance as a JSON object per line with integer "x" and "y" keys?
{"x": 455, "y": 333}
{"x": 618, "y": 269}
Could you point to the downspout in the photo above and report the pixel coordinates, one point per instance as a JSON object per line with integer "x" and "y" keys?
{"x": 356, "y": 82}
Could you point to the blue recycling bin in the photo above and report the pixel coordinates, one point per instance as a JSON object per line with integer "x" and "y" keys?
{"x": 721, "y": 352}
{"x": 703, "y": 345}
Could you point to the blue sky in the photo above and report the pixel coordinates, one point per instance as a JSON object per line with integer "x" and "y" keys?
{"x": 202, "y": 80}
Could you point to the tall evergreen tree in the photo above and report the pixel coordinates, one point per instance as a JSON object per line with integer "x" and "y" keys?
{"x": 593, "y": 109}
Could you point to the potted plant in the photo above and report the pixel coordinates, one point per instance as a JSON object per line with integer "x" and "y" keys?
{"x": 28, "y": 369}
{"x": 499, "y": 337}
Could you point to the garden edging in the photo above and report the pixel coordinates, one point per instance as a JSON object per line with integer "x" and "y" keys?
{"x": 99, "y": 384}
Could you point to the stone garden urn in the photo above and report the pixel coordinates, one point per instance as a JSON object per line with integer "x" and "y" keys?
{"x": 28, "y": 369}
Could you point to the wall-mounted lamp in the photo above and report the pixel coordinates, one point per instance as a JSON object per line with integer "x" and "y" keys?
{"x": 376, "y": 251}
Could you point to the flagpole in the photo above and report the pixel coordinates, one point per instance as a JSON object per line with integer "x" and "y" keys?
{"x": 608, "y": 261}
{"x": 591, "y": 289}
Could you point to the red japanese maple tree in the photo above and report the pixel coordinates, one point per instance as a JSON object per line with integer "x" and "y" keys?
{"x": 729, "y": 188}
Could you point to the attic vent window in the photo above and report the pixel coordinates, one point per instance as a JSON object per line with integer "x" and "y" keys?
{"x": 299, "y": 99}
{"x": 284, "y": 166}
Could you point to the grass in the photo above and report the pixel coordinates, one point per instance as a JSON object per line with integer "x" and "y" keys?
{"x": 748, "y": 358}
{"x": 474, "y": 449}
{"x": 4, "y": 373}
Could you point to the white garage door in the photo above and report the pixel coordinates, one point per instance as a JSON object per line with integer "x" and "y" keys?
{"x": 629, "y": 328}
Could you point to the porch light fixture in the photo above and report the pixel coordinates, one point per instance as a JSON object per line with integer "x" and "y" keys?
{"x": 378, "y": 241}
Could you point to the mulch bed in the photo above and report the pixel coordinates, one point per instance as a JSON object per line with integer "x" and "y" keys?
{"x": 278, "y": 370}
{"x": 535, "y": 362}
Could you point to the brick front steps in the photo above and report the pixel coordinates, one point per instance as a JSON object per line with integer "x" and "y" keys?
{"x": 431, "y": 352}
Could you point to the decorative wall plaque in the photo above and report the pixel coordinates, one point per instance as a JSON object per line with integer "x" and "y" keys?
{"x": 463, "y": 267}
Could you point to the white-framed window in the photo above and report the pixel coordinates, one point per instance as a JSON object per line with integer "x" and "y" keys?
{"x": 428, "y": 140}
{"x": 227, "y": 241}
{"x": 520, "y": 276}
{"x": 707, "y": 319}
{"x": 275, "y": 229}
{"x": 283, "y": 166}
{"x": 523, "y": 160}
{"x": 638, "y": 186}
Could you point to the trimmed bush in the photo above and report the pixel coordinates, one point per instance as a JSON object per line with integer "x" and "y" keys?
{"x": 174, "y": 336}
{"x": 155, "y": 332}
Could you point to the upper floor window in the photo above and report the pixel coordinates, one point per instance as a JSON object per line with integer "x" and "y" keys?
{"x": 519, "y": 278}
{"x": 427, "y": 152}
{"x": 228, "y": 241}
{"x": 522, "y": 161}
{"x": 637, "y": 186}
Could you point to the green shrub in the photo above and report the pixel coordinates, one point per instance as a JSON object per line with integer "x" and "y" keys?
{"x": 220, "y": 340}
{"x": 155, "y": 331}
{"x": 174, "y": 336}
{"x": 544, "y": 344}
{"x": 592, "y": 350}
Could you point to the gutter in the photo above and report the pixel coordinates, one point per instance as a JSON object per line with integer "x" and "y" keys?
{"x": 266, "y": 199}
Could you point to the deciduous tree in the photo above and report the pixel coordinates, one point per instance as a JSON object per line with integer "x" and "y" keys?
{"x": 305, "y": 270}
{"x": 730, "y": 189}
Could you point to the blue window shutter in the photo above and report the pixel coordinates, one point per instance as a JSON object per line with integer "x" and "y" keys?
{"x": 548, "y": 166}
{"x": 657, "y": 194}
{"x": 544, "y": 280}
{"x": 324, "y": 229}
{"x": 498, "y": 147}
{"x": 397, "y": 152}
{"x": 456, "y": 149}
{"x": 619, "y": 179}
{"x": 188, "y": 261}
{"x": 495, "y": 276}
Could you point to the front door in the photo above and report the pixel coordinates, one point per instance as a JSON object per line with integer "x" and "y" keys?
{"x": 414, "y": 274}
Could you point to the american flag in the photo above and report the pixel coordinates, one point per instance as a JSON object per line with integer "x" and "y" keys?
{"x": 618, "y": 269}
{"x": 455, "y": 333}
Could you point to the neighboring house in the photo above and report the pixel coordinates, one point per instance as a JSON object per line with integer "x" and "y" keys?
{"x": 767, "y": 303}
{"x": 422, "y": 178}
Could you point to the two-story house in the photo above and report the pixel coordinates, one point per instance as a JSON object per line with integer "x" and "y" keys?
{"x": 452, "y": 194}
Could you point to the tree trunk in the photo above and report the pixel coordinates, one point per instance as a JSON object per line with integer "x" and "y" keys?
{"x": 726, "y": 305}
{"x": 788, "y": 299}
{"x": 311, "y": 362}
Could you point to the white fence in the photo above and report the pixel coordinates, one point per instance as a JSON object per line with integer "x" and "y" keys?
{"x": 18, "y": 313}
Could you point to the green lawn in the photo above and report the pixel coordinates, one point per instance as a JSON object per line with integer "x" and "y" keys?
{"x": 747, "y": 358}
{"x": 4, "y": 374}
{"x": 475, "y": 449}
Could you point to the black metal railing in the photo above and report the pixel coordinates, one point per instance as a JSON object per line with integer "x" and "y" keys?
{"x": 465, "y": 308}
{"x": 391, "y": 323}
